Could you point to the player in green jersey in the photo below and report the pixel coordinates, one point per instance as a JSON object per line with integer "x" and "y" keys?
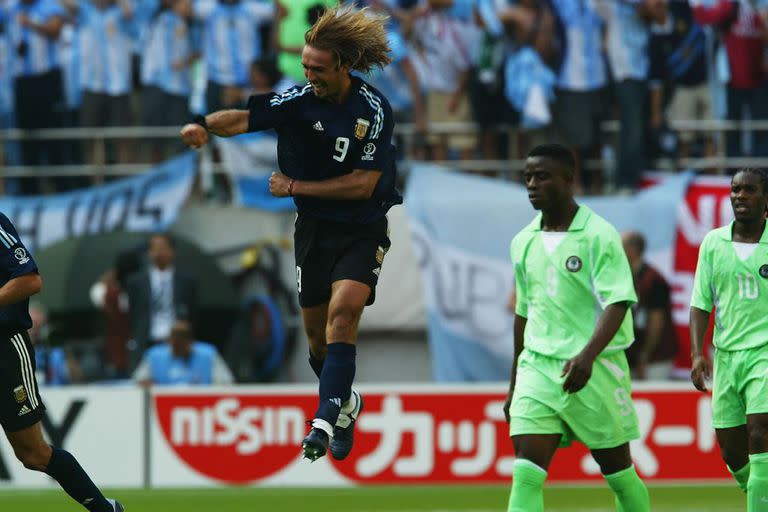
{"x": 732, "y": 278}
{"x": 570, "y": 379}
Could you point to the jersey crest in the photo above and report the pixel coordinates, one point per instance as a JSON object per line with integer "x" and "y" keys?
{"x": 361, "y": 128}
{"x": 764, "y": 271}
{"x": 573, "y": 264}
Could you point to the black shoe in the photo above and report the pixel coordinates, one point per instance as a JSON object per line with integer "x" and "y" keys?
{"x": 315, "y": 445}
{"x": 117, "y": 505}
{"x": 344, "y": 431}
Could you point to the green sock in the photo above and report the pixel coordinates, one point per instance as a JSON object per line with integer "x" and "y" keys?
{"x": 631, "y": 493}
{"x": 527, "y": 487}
{"x": 741, "y": 476}
{"x": 757, "y": 487}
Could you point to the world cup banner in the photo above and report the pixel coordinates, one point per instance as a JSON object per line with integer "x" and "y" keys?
{"x": 408, "y": 434}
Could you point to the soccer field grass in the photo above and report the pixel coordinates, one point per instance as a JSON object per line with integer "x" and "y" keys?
{"x": 378, "y": 499}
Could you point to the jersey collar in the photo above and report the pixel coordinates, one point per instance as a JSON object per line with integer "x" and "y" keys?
{"x": 727, "y": 234}
{"x": 578, "y": 223}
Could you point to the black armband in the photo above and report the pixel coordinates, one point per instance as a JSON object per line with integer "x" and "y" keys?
{"x": 201, "y": 121}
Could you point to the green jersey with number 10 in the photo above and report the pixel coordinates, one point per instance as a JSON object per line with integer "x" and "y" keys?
{"x": 736, "y": 288}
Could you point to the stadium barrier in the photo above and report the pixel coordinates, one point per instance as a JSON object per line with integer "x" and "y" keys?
{"x": 510, "y": 167}
{"x": 409, "y": 434}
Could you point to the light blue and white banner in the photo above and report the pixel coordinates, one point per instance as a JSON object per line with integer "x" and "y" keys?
{"x": 250, "y": 159}
{"x": 147, "y": 202}
{"x": 462, "y": 226}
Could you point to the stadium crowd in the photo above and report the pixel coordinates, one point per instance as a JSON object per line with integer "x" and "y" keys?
{"x": 550, "y": 69}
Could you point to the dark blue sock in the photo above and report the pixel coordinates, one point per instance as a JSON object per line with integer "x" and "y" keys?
{"x": 316, "y": 364}
{"x": 336, "y": 380}
{"x": 73, "y": 479}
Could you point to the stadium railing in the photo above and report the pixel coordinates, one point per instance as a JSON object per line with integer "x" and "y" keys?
{"x": 506, "y": 167}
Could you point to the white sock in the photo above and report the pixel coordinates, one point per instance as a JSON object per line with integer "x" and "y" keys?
{"x": 323, "y": 425}
{"x": 350, "y": 405}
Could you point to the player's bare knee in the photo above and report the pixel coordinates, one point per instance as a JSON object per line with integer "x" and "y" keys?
{"x": 35, "y": 457}
{"x": 342, "y": 322}
{"x": 613, "y": 460}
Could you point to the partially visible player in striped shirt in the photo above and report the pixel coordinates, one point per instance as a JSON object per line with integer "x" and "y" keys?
{"x": 21, "y": 407}
{"x": 732, "y": 279}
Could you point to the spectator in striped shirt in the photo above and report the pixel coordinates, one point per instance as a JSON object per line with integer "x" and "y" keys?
{"x": 107, "y": 32}
{"x": 9, "y": 155}
{"x": 231, "y": 41}
{"x": 627, "y": 33}
{"x": 171, "y": 47}
{"x": 582, "y": 79}
{"x": 34, "y": 27}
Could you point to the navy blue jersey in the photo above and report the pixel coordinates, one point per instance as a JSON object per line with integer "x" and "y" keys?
{"x": 318, "y": 140}
{"x": 15, "y": 261}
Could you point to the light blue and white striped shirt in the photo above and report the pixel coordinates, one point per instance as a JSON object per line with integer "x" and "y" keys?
{"x": 106, "y": 38}
{"x": 627, "y": 39}
{"x": 583, "y": 67}
{"x": 40, "y": 55}
{"x": 6, "y": 72}
{"x": 144, "y": 11}
{"x": 170, "y": 40}
{"x": 70, "y": 55}
{"x": 231, "y": 38}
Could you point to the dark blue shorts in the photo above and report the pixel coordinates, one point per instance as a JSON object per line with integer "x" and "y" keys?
{"x": 327, "y": 252}
{"x": 20, "y": 402}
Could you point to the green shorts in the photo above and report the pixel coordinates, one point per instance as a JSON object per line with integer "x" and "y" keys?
{"x": 600, "y": 415}
{"x": 739, "y": 386}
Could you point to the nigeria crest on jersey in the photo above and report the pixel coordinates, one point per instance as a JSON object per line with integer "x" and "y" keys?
{"x": 573, "y": 264}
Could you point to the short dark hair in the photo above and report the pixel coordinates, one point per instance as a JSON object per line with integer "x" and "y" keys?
{"x": 557, "y": 153}
{"x": 762, "y": 175}
{"x": 637, "y": 240}
{"x": 163, "y": 234}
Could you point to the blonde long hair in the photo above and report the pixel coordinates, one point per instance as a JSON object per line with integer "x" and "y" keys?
{"x": 356, "y": 37}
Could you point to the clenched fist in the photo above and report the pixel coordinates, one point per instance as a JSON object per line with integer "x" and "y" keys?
{"x": 194, "y": 135}
{"x": 280, "y": 185}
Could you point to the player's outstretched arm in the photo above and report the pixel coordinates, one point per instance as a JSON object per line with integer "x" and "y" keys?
{"x": 579, "y": 369}
{"x": 701, "y": 370}
{"x": 20, "y": 288}
{"x": 224, "y": 123}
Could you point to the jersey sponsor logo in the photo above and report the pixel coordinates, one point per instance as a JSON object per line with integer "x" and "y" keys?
{"x": 24, "y": 410}
{"x": 368, "y": 151}
{"x": 573, "y": 264}
{"x": 764, "y": 271}
{"x": 318, "y": 126}
{"x": 361, "y": 128}
{"x": 21, "y": 254}
{"x": 233, "y": 439}
{"x": 20, "y": 394}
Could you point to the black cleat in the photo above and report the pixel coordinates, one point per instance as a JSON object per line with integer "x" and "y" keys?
{"x": 344, "y": 431}
{"x": 315, "y": 445}
{"x": 117, "y": 505}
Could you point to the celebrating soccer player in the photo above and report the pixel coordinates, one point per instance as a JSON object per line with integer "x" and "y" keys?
{"x": 337, "y": 162}
{"x": 21, "y": 407}
{"x": 570, "y": 379}
{"x": 732, "y": 278}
